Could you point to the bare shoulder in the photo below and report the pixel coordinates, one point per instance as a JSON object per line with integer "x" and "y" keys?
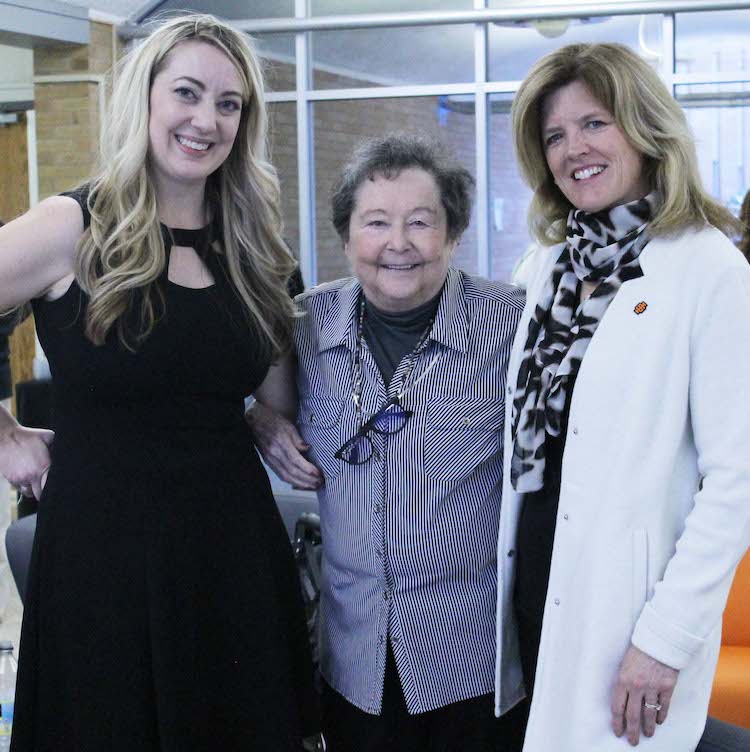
{"x": 37, "y": 250}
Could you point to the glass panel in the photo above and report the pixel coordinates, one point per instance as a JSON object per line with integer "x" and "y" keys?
{"x": 422, "y": 55}
{"x": 340, "y": 126}
{"x": 347, "y": 7}
{"x": 509, "y": 196}
{"x": 515, "y": 48}
{"x": 283, "y": 141}
{"x": 712, "y": 42}
{"x": 279, "y": 58}
{"x": 719, "y": 115}
{"x": 230, "y": 9}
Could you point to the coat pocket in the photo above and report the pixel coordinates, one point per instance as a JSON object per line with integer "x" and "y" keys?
{"x": 460, "y": 435}
{"x": 640, "y": 571}
{"x": 319, "y": 421}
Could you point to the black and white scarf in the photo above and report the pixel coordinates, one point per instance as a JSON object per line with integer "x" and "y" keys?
{"x": 603, "y": 247}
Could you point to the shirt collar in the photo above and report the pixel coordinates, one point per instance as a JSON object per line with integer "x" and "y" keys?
{"x": 340, "y": 324}
{"x": 451, "y": 320}
{"x": 451, "y": 325}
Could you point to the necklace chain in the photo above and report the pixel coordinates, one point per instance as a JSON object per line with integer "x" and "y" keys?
{"x": 358, "y": 375}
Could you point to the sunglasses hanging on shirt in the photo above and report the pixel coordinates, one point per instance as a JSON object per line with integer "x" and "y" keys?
{"x": 391, "y": 417}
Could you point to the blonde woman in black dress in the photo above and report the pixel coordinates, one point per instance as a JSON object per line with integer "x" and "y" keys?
{"x": 163, "y": 610}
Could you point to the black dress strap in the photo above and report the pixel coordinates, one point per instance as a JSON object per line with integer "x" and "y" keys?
{"x": 81, "y": 195}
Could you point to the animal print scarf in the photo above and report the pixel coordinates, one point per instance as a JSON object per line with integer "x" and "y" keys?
{"x": 603, "y": 247}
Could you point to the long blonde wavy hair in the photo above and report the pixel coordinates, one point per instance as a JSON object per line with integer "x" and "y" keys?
{"x": 648, "y": 116}
{"x": 122, "y": 254}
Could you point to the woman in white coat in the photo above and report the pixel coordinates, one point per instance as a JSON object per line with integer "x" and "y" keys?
{"x": 626, "y": 493}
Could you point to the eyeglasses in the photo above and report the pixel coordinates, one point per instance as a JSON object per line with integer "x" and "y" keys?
{"x": 390, "y": 419}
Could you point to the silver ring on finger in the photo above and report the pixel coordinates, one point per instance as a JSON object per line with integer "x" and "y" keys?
{"x": 652, "y": 706}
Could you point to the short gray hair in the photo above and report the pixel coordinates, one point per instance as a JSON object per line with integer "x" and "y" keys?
{"x": 388, "y": 156}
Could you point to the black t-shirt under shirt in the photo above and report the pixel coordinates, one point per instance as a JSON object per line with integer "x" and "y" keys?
{"x": 392, "y": 336}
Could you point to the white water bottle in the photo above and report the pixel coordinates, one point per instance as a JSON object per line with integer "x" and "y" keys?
{"x": 8, "y": 670}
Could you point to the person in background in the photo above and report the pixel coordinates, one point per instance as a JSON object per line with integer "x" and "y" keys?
{"x": 401, "y": 378}
{"x": 163, "y": 609}
{"x": 626, "y": 491}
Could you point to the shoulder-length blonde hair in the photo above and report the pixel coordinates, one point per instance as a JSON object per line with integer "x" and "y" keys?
{"x": 648, "y": 116}
{"x": 122, "y": 254}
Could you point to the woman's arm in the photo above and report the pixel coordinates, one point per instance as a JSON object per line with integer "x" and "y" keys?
{"x": 688, "y": 602}
{"x": 279, "y": 389}
{"x": 272, "y": 421}
{"x": 37, "y": 250}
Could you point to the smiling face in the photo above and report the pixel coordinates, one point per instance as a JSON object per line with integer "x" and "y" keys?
{"x": 590, "y": 159}
{"x": 398, "y": 240}
{"x": 194, "y": 114}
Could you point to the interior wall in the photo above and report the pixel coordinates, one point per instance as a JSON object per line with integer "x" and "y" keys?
{"x": 16, "y": 74}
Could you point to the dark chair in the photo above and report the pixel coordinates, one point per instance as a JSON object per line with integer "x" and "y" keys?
{"x": 19, "y": 539}
{"x": 292, "y": 506}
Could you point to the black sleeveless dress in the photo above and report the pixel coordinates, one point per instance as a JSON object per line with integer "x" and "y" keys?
{"x": 163, "y": 608}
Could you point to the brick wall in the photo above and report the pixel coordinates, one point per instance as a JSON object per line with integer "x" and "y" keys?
{"x": 68, "y": 113}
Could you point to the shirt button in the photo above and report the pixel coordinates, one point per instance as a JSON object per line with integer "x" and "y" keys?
{"x": 386, "y": 595}
{"x": 565, "y": 516}
{"x": 377, "y": 508}
{"x": 511, "y": 553}
{"x": 395, "y": 640}
{"x": 575, "y": 430}
{"x": 510, "y": 389}
{"x": 465, "y": 421}
{"x": 557, "y": 601}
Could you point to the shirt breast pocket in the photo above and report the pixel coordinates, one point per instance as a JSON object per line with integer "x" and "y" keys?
{"x": 460, "y": 435}
{"x": 319, "y": 421}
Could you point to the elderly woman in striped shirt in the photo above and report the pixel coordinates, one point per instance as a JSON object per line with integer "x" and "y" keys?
{"x": 401, "y": 380}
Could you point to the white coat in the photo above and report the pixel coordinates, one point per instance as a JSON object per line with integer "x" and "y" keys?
{"x": 643, "y": 552}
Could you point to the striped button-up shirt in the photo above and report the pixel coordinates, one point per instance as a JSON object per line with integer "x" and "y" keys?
{"x": 410, "y": 536}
